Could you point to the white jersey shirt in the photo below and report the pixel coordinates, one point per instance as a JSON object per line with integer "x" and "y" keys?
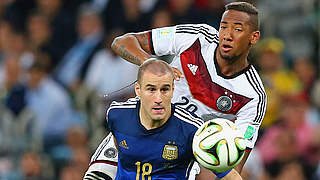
{"x": 205, "y": 90}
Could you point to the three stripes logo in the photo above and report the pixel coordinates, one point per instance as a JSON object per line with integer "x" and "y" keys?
{"x": 123, "y": 144}
{"x": 193, "y": 68}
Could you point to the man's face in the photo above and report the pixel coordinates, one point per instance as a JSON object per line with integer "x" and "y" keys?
{"x": 235, "y": 35}
{"x": 155, "y": 92}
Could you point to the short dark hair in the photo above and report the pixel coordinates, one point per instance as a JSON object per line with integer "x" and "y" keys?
{"x": 247, "y": 8}
{"x": 154, "y": 66}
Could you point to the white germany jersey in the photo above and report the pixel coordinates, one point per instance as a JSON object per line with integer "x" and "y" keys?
{"x": 205, "y": 90}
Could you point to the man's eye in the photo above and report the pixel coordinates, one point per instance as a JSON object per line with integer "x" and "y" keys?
{"x": 165, "y": 89}
{"x": 223, "y": 27}
{"x": 239, "y": 30}
{"x": 151, "y": 89}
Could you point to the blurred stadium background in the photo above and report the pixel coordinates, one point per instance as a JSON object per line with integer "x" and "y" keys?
{"x": 56, "y": 65}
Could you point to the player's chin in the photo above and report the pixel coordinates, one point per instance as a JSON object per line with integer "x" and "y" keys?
{"x": 158, "y": 117}
{"x": 226, "y": 55}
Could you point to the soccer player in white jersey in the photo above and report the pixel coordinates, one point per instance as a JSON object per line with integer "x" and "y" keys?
{"x": 214, "y": 77}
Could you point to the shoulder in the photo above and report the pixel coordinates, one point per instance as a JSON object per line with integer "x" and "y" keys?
{"x": 122, "y": 107}
{"x": 205, "y": 31}
{"x": 255, "y": 82}
{"x": 187, "y": 117}
{"x": 196, "y": 27}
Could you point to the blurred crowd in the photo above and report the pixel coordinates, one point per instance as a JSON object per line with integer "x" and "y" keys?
{"x": 58, "y": 76}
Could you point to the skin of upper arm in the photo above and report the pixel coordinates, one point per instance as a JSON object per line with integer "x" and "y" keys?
{"x": 144, "y": 41}
{"x": 133, "y": 47}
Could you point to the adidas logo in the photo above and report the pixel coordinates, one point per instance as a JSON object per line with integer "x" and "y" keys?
{"x": 193, "y": 68}
{"x": 123, "y": 144}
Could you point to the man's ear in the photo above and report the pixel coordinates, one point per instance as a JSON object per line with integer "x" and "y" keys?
{"x": 137, "y": 89}
{"x": 254, "y": 37}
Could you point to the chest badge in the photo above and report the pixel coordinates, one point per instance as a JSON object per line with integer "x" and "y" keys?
{"x": 224, "y": 103}
{"x": 170, "y": 152}
{"x": 110, "y": 152}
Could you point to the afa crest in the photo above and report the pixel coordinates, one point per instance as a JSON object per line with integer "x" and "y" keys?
{"x": 170, "y": 152}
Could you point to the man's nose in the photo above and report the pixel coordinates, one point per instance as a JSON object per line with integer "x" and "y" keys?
{"x": 227, "y": 36}
{"x": 158, "y": 97}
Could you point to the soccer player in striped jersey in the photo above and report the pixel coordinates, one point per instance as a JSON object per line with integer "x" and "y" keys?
{"x": 213, "y": 75}
{"x": 153, "y": 136}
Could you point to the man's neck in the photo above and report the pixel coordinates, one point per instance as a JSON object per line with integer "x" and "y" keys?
{"x": 229, "y": 68}
{"x": 149, "y": 123}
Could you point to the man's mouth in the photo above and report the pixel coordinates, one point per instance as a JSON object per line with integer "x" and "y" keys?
{"x": 158, "y": 110}
{"x": 226, "y": 47}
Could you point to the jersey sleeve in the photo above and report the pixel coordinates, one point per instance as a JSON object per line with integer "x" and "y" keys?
{"x": 249, "y": 119}
{"x": 109, "y": 117}
{"x": 115, "y": 114}
{"x": 174, "y": 40}
{"x": 104, "y": 161}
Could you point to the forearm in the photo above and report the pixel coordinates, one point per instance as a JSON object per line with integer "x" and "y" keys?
{"x": 128, "y": 47}
{"x": 206, "y": 174}
{"x": 232, "y": 175}
{"x": 239, "y": 167}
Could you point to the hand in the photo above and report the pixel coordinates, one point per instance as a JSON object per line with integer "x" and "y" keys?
{"x": 177, "y": 74}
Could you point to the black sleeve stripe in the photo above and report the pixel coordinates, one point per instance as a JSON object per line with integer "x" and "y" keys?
{"x": 190, "y": 32}
{"x": 203, "y": 31}
{"x": 210, "y": 37}
{"x": 105, "y": 162}
{"x": 91, "y": 177}
{"x": 187, "y": 113}
{"x": 97, "y": 175}
{"x": 260, "y": 98}
{"x": 201, "y": 28}
{"x": 264, "y": 95}
{"x": 151, "y": 42}
{"x": 101, "y": 148}
{"x": 191, "y": 26}
{"x": 258, "y": 116}
{"x": 102, "y": 175}
{"x": 206, "y": 37}
{"x": 186, "y": 118}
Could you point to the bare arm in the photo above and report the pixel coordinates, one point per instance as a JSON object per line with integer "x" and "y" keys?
{"x": 133, "y": 47}
{"x": 242, "y": 162}
{"x": 206, "y": 174}
{"x": 233, "y": 175}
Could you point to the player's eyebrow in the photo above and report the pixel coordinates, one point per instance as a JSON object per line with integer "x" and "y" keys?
{"x": 236, "y": 23}
{"x": 151, "y": 85}
{"x": 166, "y": 85}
